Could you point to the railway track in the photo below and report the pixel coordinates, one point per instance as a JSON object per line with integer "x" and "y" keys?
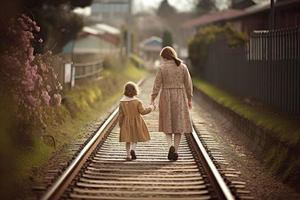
{"x": 100, "y": 170}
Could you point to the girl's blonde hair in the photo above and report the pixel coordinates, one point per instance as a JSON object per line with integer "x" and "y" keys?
{"x": 170, "y": 54}
{"x": 131, "y": 89}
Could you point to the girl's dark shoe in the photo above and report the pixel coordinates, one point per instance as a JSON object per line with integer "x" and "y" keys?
{"x": 128, "y": 159}
{"x": 171, "y": 153}
{"x": 132, "y": 153}
{"x": 175, "y": 156}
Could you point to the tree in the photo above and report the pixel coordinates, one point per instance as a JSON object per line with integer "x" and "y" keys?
{"x": 58, "y": 23}
{"x": 58, "y": 26}
{"x": 165, "y": 9}
{"x": 205, "y": 6}
{"x": 40, "y": 3}
{"x": 167, "y": 39}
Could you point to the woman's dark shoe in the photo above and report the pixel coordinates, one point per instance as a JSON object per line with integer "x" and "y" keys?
{"x": 171, "y": 153}
{"x": 132, "y": 153}
{"x": 175, "y": 156}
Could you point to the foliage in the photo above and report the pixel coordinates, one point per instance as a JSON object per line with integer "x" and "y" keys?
{"x": 286, "y": 130}
{"x": 137, "y": 61}
{"x": 40, "y": 3}
{"x": 280, "y": 157}
{"x": 59, "y": 25}
{"x": 205, "y": 6}
{"x": 199, "y": 45}
{"x": 165, "y": 9}
{"x": 26, "y": 77}
{"x": 167, "y": 39}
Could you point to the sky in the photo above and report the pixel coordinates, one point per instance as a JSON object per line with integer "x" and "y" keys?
{"x": 141, "y": 5}
{"x": 181, "y": 5}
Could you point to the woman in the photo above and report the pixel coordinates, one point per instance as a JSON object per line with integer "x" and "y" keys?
{"x": 174, "y": 81}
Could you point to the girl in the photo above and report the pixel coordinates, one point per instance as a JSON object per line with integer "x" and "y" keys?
{"x": 132, "y": 126}
{"x": 174, "y": 81}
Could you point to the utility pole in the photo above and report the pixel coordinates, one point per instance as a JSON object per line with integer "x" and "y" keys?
{"x": 129, "y": 28}
{"x": 272, "y": 16}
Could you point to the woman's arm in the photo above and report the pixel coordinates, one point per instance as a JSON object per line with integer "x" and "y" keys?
{"x": 157, "y": 85}
{"x": 188, "y": 86}
{"x": 142, "y": 110}
{"x": 121, "y": 116}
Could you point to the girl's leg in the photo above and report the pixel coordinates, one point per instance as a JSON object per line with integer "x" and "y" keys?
{"x": 169, "y": 139}
{"x": 177, "y": 139}
{"x": 133, "y": 145}
{"x": 128, "y": 149}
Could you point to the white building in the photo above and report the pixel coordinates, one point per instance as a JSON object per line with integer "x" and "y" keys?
{"x": 116, "y": 12}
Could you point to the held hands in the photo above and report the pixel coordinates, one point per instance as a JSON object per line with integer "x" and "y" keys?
{"x": 153, "y": 104}
{"x": 190, "y": 104}
{"x": 154, "y": 107}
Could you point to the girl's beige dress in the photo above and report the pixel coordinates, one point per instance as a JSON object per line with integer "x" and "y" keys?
{"x": 176, "y": 88}
{"x": 132, "y": 126}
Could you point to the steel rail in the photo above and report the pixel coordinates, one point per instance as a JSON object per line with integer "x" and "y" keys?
{"x": 222, "y": 186}
{"x": 51, "y": 193}
{"x": 57, "y": 188}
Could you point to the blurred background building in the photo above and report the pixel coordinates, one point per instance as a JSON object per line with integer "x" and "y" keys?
{"x": 114, "y": 12}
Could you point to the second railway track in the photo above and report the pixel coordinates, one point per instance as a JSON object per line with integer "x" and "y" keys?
{"x": 100, "y": 170}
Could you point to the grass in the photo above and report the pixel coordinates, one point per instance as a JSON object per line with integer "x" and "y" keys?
{"x": 278, "y": 158}
{"x": 82, "y": 105}
{"x": 285, "y": 129}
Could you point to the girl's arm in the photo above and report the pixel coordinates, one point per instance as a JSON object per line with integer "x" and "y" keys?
{"x": 157, "y": 85}
{"x": 121, "y": 116}
{"x": 142, "y": 110}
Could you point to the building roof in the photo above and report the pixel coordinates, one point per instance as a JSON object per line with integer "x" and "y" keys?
{"x": 212, "y": 17}
{"x": 99, "y": 29}
{"x": 232, "y": 14}
{"x": 242, "y": 4}
{"x": 151, "y": 44}
{"x": 264, "y": 7}
{"x": 106, "y": 32}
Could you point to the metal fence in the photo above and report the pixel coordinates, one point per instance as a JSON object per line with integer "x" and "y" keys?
{"x": 268, "y": 69}
{"x": 84, "y": 70}
{"x": 68, "y": 73}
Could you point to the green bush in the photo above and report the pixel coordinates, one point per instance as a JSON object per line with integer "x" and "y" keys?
{"x": 167, "y": 39}
{"x": 137, "y": 61}
{"x": 199, "y": 44}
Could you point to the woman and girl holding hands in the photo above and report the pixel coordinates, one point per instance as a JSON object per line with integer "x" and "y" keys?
{"x": 174, "y": 83}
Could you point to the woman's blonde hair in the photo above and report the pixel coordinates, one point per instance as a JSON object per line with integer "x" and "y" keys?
{"x": 131, "y": 89}
{"x": 170, "y": 54}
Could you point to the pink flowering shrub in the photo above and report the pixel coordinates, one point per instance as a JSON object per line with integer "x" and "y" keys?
{"x": 28, "y": 77}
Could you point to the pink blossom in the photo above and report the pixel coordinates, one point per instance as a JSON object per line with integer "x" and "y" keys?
{"x": 57, "y": 99}
{"x": 48, "y": 87}
{"x": 43, "y": 67}
{"x": 32, "y": 100}
{"x": 45, "y": 97}
{"x": 30, "y": 78}
{"x": 28, "y": 85}
{"x": 37, "y": 28}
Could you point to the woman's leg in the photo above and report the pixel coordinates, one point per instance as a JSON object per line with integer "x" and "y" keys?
{"x": 170, "y": 146}
{"x": 128, "y": 149}
{"x": 169, "y": 139}
{"x": 132, "y": 152}
{"x": 177, "y": 138}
